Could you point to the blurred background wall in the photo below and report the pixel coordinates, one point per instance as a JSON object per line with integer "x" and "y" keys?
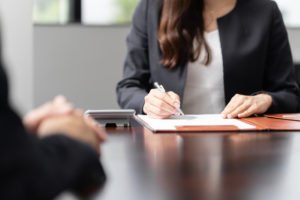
{"x": 83, "y": 62}
{"x": 16, "y": 22}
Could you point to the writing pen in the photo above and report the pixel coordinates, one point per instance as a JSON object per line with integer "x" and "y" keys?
{"x": 162, "y": 89}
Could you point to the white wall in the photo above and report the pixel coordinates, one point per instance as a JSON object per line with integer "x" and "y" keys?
{"x": 82, "y": 62}
{"x": 17, "y": 45}
{"x": 294, "y": 36}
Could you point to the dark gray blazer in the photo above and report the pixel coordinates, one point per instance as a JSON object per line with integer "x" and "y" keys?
{"x": 256, "y": 56}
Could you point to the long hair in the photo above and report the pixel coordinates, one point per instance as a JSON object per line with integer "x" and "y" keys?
{"x": 182, "y": 26}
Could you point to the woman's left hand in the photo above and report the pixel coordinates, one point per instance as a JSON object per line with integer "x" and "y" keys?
{"x": 241, "y": 106}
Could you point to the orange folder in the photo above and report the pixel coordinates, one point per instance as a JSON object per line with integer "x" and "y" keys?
{"x": 265, "y": 123}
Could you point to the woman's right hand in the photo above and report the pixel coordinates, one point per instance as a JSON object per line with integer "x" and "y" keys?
{"x": 161, "y": 104}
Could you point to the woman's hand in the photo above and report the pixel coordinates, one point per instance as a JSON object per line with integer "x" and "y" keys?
{"x": 160, "y": 104}
{"x": 241, "y": 106}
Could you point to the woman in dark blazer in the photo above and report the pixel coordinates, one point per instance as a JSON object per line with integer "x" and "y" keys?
{"x": 256, "y": 56}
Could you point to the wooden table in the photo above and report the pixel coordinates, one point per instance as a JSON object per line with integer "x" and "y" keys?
{"x": 141, "y": 165}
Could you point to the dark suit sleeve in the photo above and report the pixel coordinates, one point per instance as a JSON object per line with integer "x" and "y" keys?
{"x": 67, "y": 164}
{"x": 33, "y": 168}
{"x": 279, "y": 79}
{"x": 134, "y": 86}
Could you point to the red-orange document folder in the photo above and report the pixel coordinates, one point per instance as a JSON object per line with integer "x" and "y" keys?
{"x": 215, "y": 123}
{"x": 289, "y": 116}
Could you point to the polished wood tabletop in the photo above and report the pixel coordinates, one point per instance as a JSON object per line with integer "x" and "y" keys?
{"x": 142, "y": 165}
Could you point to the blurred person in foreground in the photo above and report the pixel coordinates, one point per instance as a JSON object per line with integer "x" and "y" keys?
{"x": 55, "y": 148}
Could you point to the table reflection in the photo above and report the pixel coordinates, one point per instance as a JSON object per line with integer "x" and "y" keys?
{"x": 217, "y": 166}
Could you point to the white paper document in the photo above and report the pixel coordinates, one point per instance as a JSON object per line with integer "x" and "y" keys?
{"x": 170, "y": 124}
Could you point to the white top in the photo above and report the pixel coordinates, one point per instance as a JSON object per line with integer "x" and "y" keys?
{"x": 204, "y": 87}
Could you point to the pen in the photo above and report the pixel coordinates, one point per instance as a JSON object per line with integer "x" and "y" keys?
{"x": 162, "y": 89}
